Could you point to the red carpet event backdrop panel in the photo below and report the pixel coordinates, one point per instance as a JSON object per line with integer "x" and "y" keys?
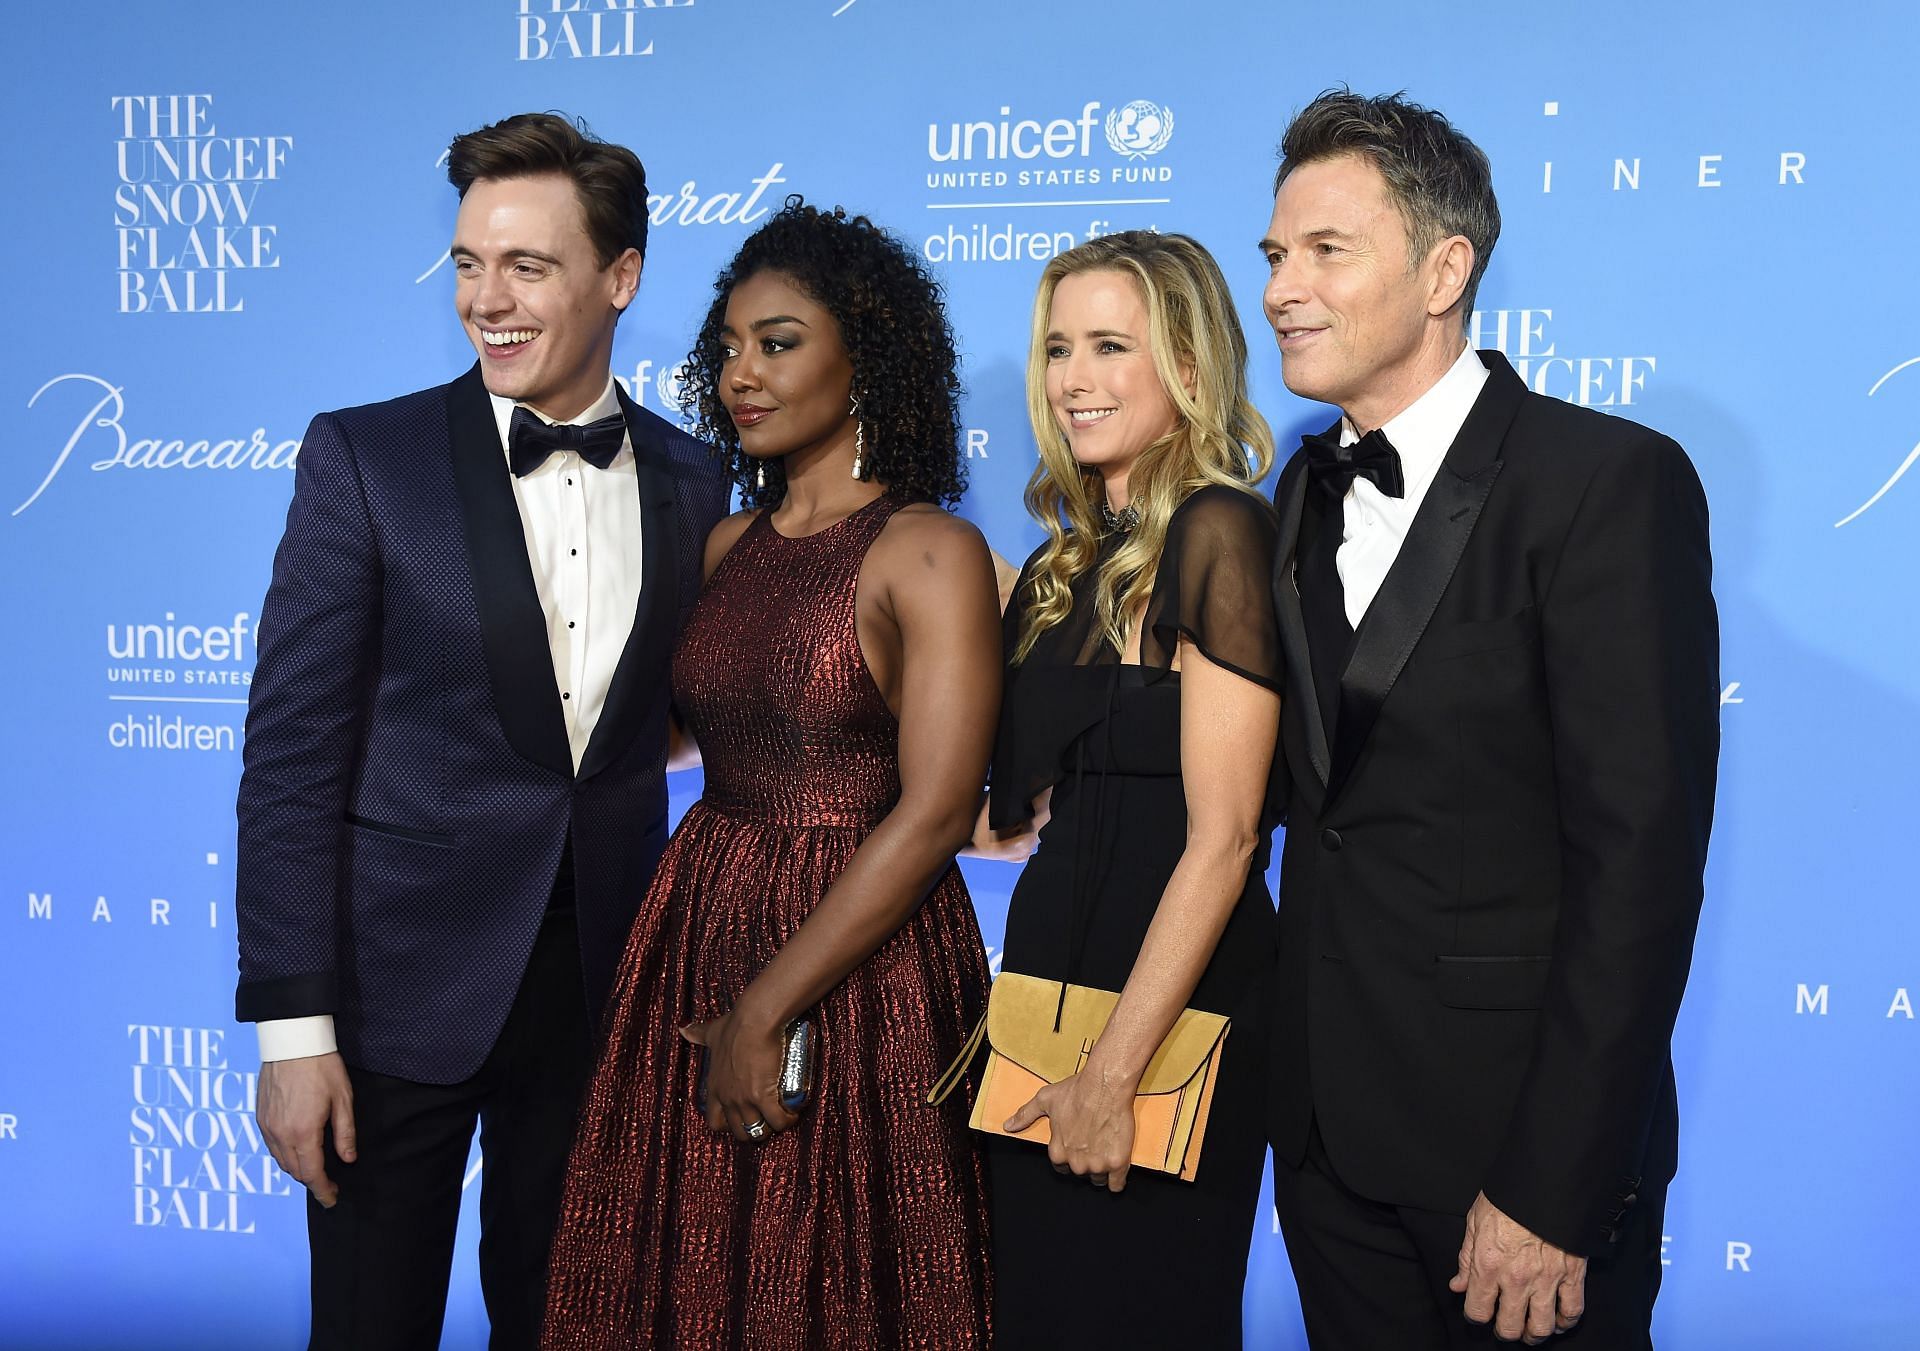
{"x": 227, "y": 217}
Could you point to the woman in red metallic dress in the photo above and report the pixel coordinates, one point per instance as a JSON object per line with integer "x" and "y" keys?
{"x": 840, "y": 677}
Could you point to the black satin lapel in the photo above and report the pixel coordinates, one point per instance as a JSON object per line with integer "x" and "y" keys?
{"x": 1419, "y": 576}
{"x": 1406, "y": 601}
{"x": 513, "y": 628}
{"x": 642, "y": 669}
{"x": 1289, "y": 497}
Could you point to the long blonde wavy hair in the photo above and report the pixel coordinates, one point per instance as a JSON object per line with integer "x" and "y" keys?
{"x": 1219, "y": 437}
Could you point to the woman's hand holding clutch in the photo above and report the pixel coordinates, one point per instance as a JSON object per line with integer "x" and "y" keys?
{"x": 1090, "y": 1118}
{"x": 744, "y": 1059}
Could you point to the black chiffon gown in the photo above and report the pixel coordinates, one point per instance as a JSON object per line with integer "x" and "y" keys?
{"x": 1163, "y": 1262}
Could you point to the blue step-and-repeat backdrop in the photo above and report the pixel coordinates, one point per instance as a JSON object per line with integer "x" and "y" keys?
{"x": 227, "y": 216}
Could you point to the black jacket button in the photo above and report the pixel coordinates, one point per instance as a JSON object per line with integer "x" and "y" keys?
{"x": 1330, "y": 840}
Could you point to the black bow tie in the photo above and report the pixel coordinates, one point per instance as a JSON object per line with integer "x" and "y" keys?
{"x": 1334, "y": 466}
{"x": 530, "y": 439}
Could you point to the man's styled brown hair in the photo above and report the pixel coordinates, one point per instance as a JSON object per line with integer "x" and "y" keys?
{"x": 1440, "y": 180}
{"x": 609, "y": 179}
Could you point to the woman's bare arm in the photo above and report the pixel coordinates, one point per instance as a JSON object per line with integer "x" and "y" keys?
{"x": 937, "y": 588}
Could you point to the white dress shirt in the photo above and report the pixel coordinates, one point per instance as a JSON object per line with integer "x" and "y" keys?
{"x": 583, "y": 539}
{"x": 1375, "y": 524}
{"x": 582, "y": 528}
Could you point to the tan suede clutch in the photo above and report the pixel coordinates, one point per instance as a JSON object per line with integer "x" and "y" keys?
{"x": 1025, "y": 1052}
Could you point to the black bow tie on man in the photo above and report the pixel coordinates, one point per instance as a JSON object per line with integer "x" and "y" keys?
{"x": 530, "y": 439}
{"x": 1334, "y": 466}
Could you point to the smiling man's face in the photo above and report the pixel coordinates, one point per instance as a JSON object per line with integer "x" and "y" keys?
{"x": 531, "y": 293}
{"x": 1348, "y": 311}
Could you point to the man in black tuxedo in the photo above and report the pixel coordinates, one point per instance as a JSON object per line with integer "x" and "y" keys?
{"x": 454, "y": 791}
{"x": 1502, "y": 728}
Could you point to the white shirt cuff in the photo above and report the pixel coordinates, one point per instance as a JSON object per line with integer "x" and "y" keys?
{"x": 296, "y": 1038}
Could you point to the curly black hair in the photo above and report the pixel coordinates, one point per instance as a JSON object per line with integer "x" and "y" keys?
{"x": 905, "y": 368}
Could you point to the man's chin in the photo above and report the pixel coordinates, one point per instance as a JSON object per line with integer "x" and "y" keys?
{"x": 1302, "y": 384}
{"x": 502, "y": 384}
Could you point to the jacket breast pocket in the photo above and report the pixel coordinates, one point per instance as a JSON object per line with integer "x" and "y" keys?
{"x": 1444, "y": 642}
{"x": 1491, "y": 982}
{"x": 394, "y": 832}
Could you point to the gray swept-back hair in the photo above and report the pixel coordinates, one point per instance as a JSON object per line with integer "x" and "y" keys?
{"x": 1441, "y": 181}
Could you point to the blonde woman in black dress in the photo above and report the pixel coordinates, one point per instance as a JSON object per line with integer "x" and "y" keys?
{"x": 1137, "y": 730}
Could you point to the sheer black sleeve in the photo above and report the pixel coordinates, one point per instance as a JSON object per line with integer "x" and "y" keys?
{"x": 1215, "y": 586}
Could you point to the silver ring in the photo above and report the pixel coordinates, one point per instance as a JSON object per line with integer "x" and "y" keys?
{"x": 756, "y": 1130}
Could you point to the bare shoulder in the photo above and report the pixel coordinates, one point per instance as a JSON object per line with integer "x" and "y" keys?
{"x": 921, "y": 536}
{"x": 724, "y": 536}
{"x": 926, "y": 553}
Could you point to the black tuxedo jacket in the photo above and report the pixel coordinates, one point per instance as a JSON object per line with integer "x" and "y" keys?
{"x": 1492, "y": 868}
{"x": 409, "y": 790}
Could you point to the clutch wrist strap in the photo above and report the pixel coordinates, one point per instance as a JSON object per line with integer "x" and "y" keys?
{"x": 944, "y": 1086}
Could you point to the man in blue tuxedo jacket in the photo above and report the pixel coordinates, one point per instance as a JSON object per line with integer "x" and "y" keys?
{"x": 455, "y": 789}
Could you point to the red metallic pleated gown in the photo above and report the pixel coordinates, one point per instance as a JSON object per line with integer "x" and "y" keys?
{"x": 865, "y": 1225}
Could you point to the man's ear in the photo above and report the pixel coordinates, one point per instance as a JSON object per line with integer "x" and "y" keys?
{"x": 626, "y": 278}
{"x": 1452, "y": 267}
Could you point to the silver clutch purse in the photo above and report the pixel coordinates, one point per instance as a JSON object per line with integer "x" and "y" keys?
{"x": 799, "y": 1053}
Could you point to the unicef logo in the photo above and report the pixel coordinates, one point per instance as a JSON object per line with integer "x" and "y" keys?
{"x": 667, "y": 384}
{"x": 1139, "y": 129}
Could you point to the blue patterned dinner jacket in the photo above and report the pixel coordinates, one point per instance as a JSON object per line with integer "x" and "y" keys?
{"x": 408, "y": 790}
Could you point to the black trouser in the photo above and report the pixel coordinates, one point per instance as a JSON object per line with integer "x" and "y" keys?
{"x": 1375, "y": 1276}
{"x": 382, "y": 1255}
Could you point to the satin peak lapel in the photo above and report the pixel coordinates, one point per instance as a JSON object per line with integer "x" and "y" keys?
{"x": 642, "y": 669}
{"x": 1289, "y": 497}
{"x": 513, "y": 627}
{"x": 1399, "y": 614}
